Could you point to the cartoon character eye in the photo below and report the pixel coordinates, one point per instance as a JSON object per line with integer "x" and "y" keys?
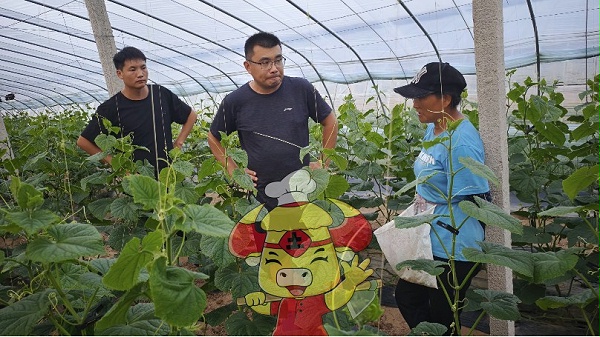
{"x": 267, "y": 261}
{"x": 320, "y": 258}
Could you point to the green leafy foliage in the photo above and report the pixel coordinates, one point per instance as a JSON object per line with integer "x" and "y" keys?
{"x": 173, "y": 290}
{"x": 579, "y": 180}
{"x": 413, "y": 221}
{"x": 496, "y": 303}
{"x": 371, "y": 313}
{"x": 239, "y": 324}
{"x": 65, "y": 242}
{"x": 239, "y": 283}
{"x": 554, "y": 172}
{"x": 21, "y": 318}
{"x": 117, "y": 314}
{"x": 206, "y": 219}
{"x": 139, "y": 214}
{"x": 140, "y": 321}
{"x": 136, "y": 255}
{"x": 431, "y": 267}
{"x": 428, "y": 329}
{"x": 580, "y": 300}
{"x": 217, "y": 249}
{"x": 519, "y": 261}
{"x": 32, "y": 221}
{"x": 219, "y": 315}
{"x": 59, "y": 204}
{"x": 489, "y": 213}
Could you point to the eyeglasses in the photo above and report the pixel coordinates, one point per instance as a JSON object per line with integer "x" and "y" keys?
{"x": 267, "y": 64}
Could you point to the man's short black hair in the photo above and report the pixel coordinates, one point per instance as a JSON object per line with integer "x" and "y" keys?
{"x": 263, "y": 39}
{"x": 127, "y": 53}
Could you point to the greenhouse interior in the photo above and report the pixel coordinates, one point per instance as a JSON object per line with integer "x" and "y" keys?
{"x": 105, "y": 231}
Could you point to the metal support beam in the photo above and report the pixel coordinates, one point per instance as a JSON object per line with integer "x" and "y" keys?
{"x": 105, "y": 42}
{"x": 491, "y": 97}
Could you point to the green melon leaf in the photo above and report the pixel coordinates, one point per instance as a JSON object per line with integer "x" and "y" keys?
{"x": 66, "y": 242}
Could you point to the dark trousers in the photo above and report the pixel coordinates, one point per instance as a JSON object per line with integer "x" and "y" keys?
{"x": 418, "y": 303}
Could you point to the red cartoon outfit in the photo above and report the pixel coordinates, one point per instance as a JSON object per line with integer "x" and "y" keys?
{"x": 300, "y": 317}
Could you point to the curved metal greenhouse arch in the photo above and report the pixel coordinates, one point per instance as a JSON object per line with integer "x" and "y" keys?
{"x": 285, "y": 44}
{"x": 347, "y": 46}
{"x": 27, "y": 86}
{"x": 134, "y": 35}
{"x": 343, "y": 41}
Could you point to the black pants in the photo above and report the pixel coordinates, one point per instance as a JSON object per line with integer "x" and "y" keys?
{"x": 418, "y": 303}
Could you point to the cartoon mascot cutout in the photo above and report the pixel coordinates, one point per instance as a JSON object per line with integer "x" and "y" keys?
{"x": 307, "y": 264}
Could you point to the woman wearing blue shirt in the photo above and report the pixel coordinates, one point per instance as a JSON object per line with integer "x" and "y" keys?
{"x": 435, "y": 92}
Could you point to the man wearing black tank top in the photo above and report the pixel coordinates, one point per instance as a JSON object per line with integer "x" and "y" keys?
{"x": 143, "y": 111}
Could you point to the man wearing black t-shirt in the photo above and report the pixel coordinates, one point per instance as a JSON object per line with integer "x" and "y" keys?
{"x": 270, "y": 114}
{"x": 144, "y": 111}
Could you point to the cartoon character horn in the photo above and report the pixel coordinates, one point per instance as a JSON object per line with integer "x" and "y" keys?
{"x": 245, "y": 239}
{"x": 355, "y": 231}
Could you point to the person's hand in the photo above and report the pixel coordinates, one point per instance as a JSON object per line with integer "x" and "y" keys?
{"x": 107, "y": 160}
{"x": 252, "y": 175}
{"x": 178, "y": 144}
{"x": 318, "y": 164}
{"x": 420, "y": 204}
{"x": 315, "y": 165}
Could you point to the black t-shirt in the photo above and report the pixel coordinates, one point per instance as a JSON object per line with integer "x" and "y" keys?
{"x": 135, "y": 117}
{"x": 272, "y": 128}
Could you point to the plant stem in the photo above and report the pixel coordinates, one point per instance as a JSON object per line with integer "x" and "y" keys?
{"x": 63, "y": 296}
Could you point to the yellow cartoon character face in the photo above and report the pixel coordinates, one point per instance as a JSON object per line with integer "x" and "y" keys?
{"x": 298, "y": 247}
{"x": 297, "y": 264}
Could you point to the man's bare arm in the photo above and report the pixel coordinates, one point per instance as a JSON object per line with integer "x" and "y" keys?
{"x": 218, "y": 151}
{"x": 185, "y": 130}
{"x": 330, "y": 132}
{"x": 91, "y": 148}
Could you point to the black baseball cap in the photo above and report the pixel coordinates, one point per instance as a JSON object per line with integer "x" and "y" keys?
{"x": 427, "y": 81}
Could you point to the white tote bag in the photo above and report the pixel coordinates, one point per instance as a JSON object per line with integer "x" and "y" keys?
{"x": 401, "y": 244}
